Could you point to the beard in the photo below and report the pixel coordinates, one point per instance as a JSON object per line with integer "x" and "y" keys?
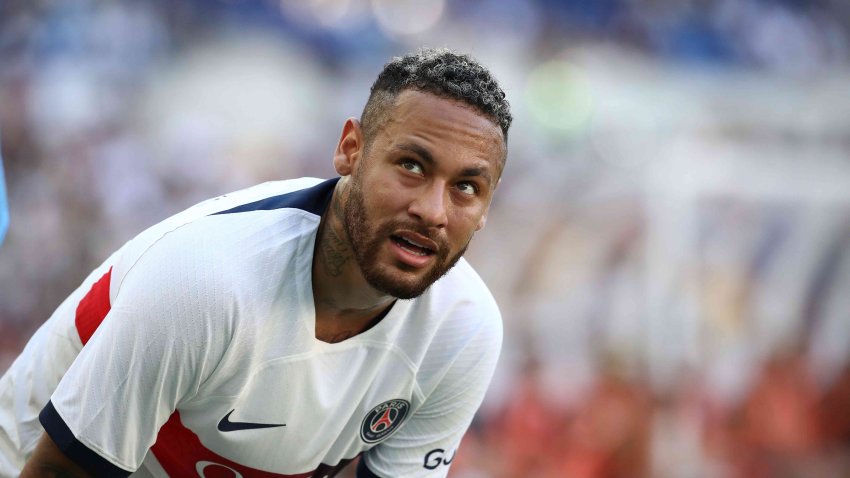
{"x": 366, "y": 240}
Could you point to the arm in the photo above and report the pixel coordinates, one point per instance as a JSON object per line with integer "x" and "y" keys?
{"x": 148, "y": 353}
{"x": 47, "y": 461}
{"x": 363, "y": 471}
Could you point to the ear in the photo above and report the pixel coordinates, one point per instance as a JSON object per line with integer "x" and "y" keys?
{"x": 350, "y": 147}
{"x": 482, "y": 222}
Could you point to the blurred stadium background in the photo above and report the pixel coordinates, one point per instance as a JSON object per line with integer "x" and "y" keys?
{"x": 670, "y": 244}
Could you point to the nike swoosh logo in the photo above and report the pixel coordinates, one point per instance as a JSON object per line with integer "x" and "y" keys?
{"x": 226, "y": 425}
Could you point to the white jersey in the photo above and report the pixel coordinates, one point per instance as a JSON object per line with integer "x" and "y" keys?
{"x": 192, "y": 352}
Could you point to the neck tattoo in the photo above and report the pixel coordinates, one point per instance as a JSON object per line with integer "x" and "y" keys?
{"x": 334, "y": 252}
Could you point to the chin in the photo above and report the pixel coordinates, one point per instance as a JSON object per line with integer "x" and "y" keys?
{"x": 399, "y": 283}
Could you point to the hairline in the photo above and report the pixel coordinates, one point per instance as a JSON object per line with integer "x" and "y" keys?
{"x": 391, "y": 98}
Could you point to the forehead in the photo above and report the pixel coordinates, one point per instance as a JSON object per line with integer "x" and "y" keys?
{"x": 445, "y": 126}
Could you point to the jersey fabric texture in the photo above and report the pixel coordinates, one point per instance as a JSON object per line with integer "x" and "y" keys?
{"x": 191, "y": 351}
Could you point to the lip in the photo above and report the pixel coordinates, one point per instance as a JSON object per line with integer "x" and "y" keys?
{"x": 409, "y": 258}
{"x": 418, "y": 239}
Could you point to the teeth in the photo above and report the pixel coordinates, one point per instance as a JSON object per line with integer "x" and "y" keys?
{"x": 418, "y": 253}
{"x": 415, "y": 243}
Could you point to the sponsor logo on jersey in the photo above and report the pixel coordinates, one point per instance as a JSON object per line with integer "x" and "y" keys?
{"x": 383, "y": 420}
{"x": 226, "y": 425}
{"x": 437, "y": 457}
{"x": 215, "y": 469}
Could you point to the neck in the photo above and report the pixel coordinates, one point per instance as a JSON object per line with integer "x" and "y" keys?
{"x": 340, "y": 292}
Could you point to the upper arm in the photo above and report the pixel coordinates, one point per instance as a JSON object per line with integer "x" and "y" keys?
{"x": 147, "y": 355}
{"x": 47, "y": 460}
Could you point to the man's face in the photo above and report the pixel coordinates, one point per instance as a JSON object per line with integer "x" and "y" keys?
{"x": 421, "y": 191}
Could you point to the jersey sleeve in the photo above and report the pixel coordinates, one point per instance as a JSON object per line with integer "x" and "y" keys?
{"x": 150, "y": 347}
{"x": 426, "y": 444}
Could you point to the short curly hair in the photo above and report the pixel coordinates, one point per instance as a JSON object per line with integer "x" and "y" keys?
{"x": 444, "y": 73}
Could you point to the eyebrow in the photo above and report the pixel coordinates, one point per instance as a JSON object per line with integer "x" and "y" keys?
{"x": 426, "y": 156}
{"x": 419, "y": 150}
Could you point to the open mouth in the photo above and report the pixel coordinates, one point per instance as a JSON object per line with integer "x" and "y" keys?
{"x": 412, "y": 247}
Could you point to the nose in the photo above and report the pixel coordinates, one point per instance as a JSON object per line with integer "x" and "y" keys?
{"x": 429, "y": 206}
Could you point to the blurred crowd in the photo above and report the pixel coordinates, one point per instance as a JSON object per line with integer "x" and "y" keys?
{"x": 670, "y": 245}
{"x": 785, "y": 426}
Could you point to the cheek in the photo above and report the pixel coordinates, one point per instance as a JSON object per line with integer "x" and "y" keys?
{"x": 463, "y": 224}
{"x": 375, "y": 191}
{"x": 391, "y": 193}
{"x": 383, "y": 201}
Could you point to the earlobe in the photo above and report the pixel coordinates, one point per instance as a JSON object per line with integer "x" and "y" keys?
{"x": 349, "y": 148}
{"x": 481, "y": 223}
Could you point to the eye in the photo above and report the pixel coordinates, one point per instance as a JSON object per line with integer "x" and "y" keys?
{"x": 468, "y": 188}
{"x": 412, "y": 166}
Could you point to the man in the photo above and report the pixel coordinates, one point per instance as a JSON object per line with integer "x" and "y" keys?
{"x": 286, "y": 329}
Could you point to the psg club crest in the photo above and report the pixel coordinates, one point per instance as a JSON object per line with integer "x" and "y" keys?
{"x": 383, "y": 420}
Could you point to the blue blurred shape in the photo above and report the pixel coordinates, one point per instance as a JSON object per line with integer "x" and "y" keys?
{"x": 4, "y": 207}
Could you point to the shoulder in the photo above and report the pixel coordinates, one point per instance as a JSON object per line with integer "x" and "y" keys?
{"x": 454, "y": 336}
{"x": 214, "y": 249}
{"x": 457, "y": 318}
{"x": 216, "y": 224}
{"x": 309, "y": 195}
{"x": 462, "y": 292}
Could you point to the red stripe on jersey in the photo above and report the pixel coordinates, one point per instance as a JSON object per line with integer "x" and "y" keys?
{"x": 180, "y": 453}
{"x": 178, "y": 449}
{"x": 93, "y": 308}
